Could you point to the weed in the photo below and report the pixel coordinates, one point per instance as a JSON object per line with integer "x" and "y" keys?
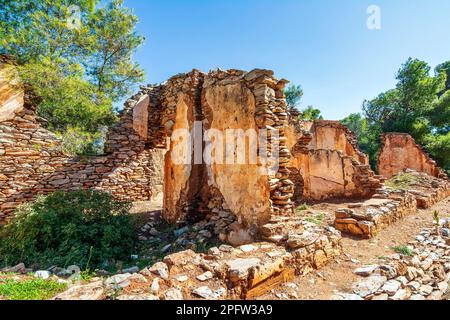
{"x": 316, "y": 219}
{"x": 35, "y": 289}
{"x": 403, "y": 250}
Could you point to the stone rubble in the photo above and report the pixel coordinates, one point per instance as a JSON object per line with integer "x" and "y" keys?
{"x": 388, "y": 205}
{"x": 423, "y": 276}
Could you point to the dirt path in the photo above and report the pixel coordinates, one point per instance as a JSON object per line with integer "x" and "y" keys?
{"x": 338, "y": 276}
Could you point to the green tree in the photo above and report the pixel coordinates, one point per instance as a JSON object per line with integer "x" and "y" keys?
{"x": 78, "y": 70}
{"x": 367, "y": 135}
{"x": 418, "y": 105}
{"x": 294, "y": 96}
{"x": 310, "y": 114}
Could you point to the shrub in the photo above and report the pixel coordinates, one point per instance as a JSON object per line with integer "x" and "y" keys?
{"x": 403, "y": 250}
{"x": 84, "y": 228}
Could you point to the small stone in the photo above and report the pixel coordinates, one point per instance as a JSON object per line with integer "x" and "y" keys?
{"x": 154, "y": 288}
{"x": 366, "y": 271}
{"x": 414, "y": 285}
{"x": 248, "y": 248}
{"x": 173, "y": 294}
{"x": 369, "y": 286}
{"x": 131, "y": 270}
{"x": 402, "y": 294}
{"x": 182, "y": 278}
{"x": 20, "y": 268}
{"x": 42, "y": 274}
{"x": 382, "y": 297}
{"x": 119, "y": 281}
{"x": 425, "y": 290}
{"x": 161, "y": 269}
{"x": 391, "y": 287}
{"x": 426, "y": 264}
{"x": 205, "y": 276}
{"x": 206, "y": 293}
{"x": 417, "y": 297}
{"x": 91, "y": 291}
{"x": 346, "y": 296}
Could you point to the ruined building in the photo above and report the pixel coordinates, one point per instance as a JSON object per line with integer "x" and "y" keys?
{"x": 243, "y": 186}
{"x": 219, "y": 146}
{"x": 399, "y": 151}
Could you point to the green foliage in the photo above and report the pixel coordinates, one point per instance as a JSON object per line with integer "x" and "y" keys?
{"x": 316, "y": 219}
{"x": 34, "y": 289}
{"x": 303, "y": 207}
{"x": 403, "y": 250}
{"x": 77, "y": 142}
{"x": 77, "y": 71}
{"x": 367, "y": 134}
{"x": 419, "y": 105}
{"x": 310, "y": 114}
{"x": 84, "y": 228}
{"x": 294, "y": 96}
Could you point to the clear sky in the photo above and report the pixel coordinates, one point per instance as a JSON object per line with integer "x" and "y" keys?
{"x": 323, "y": 45}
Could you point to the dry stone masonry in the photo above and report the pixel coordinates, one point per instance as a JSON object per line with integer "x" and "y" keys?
{"x": 32, "y": 163}
{"x": 326, "y": 162}
{"x": 389, "y": 205}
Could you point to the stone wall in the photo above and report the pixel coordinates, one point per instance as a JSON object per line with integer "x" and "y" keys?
{"x": 237, "y": 187}
{"x": 326, "y": 162}
{"x": 399, "y": 151}
{"x": 32, "y": 163}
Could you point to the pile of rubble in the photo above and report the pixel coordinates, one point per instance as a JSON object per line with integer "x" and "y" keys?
{"x": 224, "y": 272}
{"x": 427, "y": 190}
{"x": 388, "y": 205}
{"x": 367, "y": 218}
{"x": 422, "y": 272}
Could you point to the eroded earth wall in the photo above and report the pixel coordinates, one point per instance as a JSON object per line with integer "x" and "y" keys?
{"x": 326, "y": 162}
{"x": 399, "y": 151}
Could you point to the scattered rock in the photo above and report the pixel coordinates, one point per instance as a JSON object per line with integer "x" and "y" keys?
{"x": 366, "y": 271}
{"x": 206, "y": 293}
{"x": 205, "y": 276}
{"x": 42, "y": 274}
{"x": 91, "y": 291}
{"x": 369, "y": 286}
{"x": 173, "y": 294}
{"x": 161, "y": 269}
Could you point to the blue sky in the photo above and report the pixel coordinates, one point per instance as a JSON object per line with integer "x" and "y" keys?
{"x": 323, "y": 45}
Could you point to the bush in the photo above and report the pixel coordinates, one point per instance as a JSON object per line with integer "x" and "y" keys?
{"x": 84, "y": 228}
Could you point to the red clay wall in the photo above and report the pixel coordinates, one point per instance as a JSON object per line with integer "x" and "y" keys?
{"x": 399, "y": 151}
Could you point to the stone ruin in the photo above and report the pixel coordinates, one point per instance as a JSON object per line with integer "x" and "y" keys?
{"x": 169, "y": 147}
{"x": 241, "y": 192}
{"x": 327, "y": 163}
{"x": 399, "y": 151}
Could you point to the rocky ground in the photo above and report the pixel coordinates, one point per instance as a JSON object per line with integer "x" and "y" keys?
{"x": 338, "y": 279}
{"x": 393, "y": 265}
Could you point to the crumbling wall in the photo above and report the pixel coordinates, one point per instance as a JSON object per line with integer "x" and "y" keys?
{"x": 399, "y": 151}
{"x": 326, "y": 156}
{"x": 332, "y": 135}
{"x": 32, "y": 163}
{"x": 236, "y": 189}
